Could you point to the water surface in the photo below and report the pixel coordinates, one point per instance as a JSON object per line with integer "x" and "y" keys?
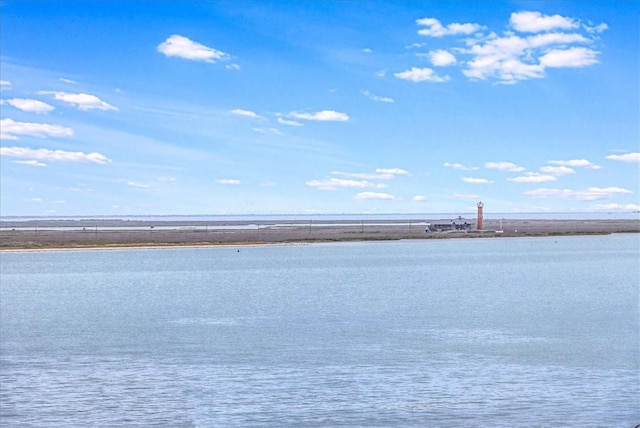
{"x": 491, "y": 332}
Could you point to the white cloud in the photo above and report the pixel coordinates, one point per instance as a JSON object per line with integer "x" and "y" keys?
{"x": 474, "y": 180}
{"x": 533, "y": 177}
{"x": 267, "y": 130}
{"x": 377, "y": 98}
{"x": 557, "y": 170}
{"x": 335, "y": 183}
{"x": 182, "y": 47}
{"x": 572, "y": 57}
{"x": 246, "y": 113}
{"x": 368, "y": 196}
{"x": 323, "y": 116}
{"x": 442, "y": 58}
{"x": 549, "y": 39}
{"x": 393, "y": 171}
{"x": 72, "y": 82}
{"x": 459, "y": 166}
{"x": 504, "y": 166}
{"x": 31, "y": 163}
{"x": 380, "y": 174}
{"x": 419, "y": 198}
{"x": 535, "y": 22}
{"x": 436, "y": 29}
{"x": 616, "y": 207}
{"x": 289, "y": 122}
{"x": 138, "y": 185}
{"x": 29, "y": 105}
{"x": 596, "y": 28}
{"x": 235, "y": 67}
{"x": 228, "y": 181}
{"x": 511, "y": 57}
{"x": 80, "y": 101}
{"x": 575, "y": 163}
{"x": 416, "y": 74}
{"x": 367, "y": 50}
{"x": 591, "y": 194}
{"x": 5, "y": 84}
{"x": 11, "y": 130}
{"x": 628, "y": 157}
{"x": 53, "y": 155}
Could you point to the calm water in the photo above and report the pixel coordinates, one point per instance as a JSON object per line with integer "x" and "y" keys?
{"x": 474, "y": 332}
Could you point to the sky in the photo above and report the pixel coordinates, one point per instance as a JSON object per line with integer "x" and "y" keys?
{"x": 313, "y": 107}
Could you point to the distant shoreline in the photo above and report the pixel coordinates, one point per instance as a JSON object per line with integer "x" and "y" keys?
{"x": 122, "y": 234}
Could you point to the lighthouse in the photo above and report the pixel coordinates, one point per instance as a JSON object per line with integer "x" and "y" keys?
{"x": 479, "y": 221}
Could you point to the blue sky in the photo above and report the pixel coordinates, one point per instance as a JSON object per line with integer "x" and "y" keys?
{"x": 266, "y": 107}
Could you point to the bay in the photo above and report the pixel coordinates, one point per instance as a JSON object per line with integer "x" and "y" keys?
{"x": 491, "y": 332}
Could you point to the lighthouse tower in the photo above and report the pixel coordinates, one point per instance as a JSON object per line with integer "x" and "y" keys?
{"x": 480, "y": 220}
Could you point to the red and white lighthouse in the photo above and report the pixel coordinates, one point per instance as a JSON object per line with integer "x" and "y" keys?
{"x": 480, "y": 220}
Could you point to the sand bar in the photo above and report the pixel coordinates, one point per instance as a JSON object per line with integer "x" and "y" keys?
{"x": 79, "y": 234}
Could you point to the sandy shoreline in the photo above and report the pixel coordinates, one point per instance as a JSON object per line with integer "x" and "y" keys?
{"x": 114, "y": 234}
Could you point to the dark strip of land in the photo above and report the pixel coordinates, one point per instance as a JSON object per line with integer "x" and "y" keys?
{"x": 53, "y": 234}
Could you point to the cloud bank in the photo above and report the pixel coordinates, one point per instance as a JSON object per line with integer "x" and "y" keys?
{"x": 531, "y": 44}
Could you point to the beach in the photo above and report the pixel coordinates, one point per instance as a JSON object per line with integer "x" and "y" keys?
{"x": 107, "y": 233}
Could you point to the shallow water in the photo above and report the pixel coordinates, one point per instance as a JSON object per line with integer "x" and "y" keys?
{"x": 491, "y": 332}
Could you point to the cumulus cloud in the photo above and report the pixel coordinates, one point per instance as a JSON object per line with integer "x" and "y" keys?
{"x": 475, "y": 180}
{"x": 12, "y": 130}
{"x": 29, "y": 105}
{"x": 377, "y": 98}
{"x": 228, "y": 181}
{"x": 628, "y": 157}
{"x": 5, "y": 84}
{"x": 419, "y": 198}
{"x": 533, "y": 177}
{"x": 183, "y": 47}
{"x": 512, "y": 58}
{"x": 53, "y": 155}
{"x": 572, "y": 57}
{"x": 246, "y": 113}
{"x": 335, "y": 183}
{"x": 591, "y": 194}
{"x": 581, "y": 163}
{"x": 459, "y": 166}
{"x": 442, "y": 58}
{"x": 434, "y": 28}
{"x": 504, "y": 166}
{"x": 416, "y": 75}
{"x": 557, "y": 170}
{"x": 531, "y": 44}
{"x": 535, "y": 22}
{"x": 368, "y": 196}
{"x": 80, "y": 101}
{"x": 322, "y": 116}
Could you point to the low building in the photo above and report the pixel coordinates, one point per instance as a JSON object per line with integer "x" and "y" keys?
{"x": 458, "y": 224}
